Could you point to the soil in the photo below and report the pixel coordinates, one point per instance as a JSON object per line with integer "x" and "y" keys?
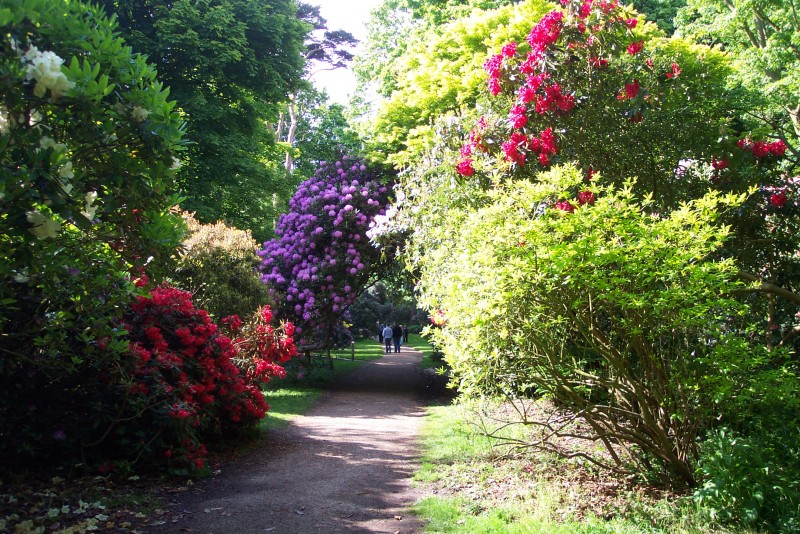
{"x": 345, "y": 466}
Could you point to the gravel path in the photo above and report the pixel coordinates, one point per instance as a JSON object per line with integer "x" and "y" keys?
{"x": 345, "y": 466}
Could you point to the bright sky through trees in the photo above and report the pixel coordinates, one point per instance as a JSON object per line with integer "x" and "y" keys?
{"x": 349, "y": 15}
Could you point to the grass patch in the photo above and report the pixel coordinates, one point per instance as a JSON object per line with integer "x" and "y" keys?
{"x": 286, "y": 403}
{"x": 479, "y": 488}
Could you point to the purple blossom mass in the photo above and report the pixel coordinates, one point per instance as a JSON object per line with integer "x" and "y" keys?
{"x": 321, "y": 258}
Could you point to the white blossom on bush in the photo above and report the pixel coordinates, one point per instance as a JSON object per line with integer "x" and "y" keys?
{"x": 45, "y": 69}
{"x": 42, "y": 226}
{"x": 139, "y": 114}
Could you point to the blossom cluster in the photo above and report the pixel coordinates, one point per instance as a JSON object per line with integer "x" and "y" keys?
{"x": 542, "y": 97}
{"x": 322, "y": 256}
{"x": 190, "y": 379}
{"x": 45, "y": 69}
{"x": 762, "y": 149}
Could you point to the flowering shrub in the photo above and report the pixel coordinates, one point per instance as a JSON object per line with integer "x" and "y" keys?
{"x": 191, "y": 379}
{"x": 321, "y": 258}
{"x": 592, "y": 84}
{"x": 87, "y": 147}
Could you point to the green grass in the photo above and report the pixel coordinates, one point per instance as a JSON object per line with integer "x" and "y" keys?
{"x": 479, "y": 490}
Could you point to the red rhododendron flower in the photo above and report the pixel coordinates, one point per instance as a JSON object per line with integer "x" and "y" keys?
{"x": 565, "y": 205}
{"x": 630, "y": 23}
{"x": 233, "y": 322}
{"x": 632, "y": 89}
{"x": 760, "y": 149}
{"x": 778, "y": 199}
{"x": 777, "y": 148}
{"x": 635, "y": 47}
{"x": 518, "y": 116}
{"x": 675, "y": 70}
{"x": 720, "y": 164}
{"x": 599, "y": 63}
{"x": 586, "y": 197}
{"x": 544, "y": 159}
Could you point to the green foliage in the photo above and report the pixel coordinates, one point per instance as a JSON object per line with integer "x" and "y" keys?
{"x": 87, "y": 160}
{"x": 609, "y": 310}
{"x": 395, "y": 25}
{"x": 228, "y": 63}
{"x": 441, "y": 72}
{"x": 662, "y": 12}
{"x": 751, "y": 481}
{"x": 323, "y": 134}
{"x": 217, "y": 265}
{"x": 762, "y": 36}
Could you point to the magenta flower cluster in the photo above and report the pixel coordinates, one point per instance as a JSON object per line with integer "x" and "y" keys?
{"x": 321, "y": 255}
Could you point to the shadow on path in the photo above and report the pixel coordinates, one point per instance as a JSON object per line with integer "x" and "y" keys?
{"x": 345, "y": 466}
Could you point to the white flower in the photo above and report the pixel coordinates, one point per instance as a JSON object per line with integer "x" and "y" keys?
{"x": 48, "y": 142}
{"x": 139, "y": 114}
{"x": 176, "y": 163}
{"x": 5, "y": 121}
{"x": 66, "y": 171}
{"x": 21, "y": 278}
{"x": 45, "y": 68}
{"x": 89, "y": 209}
{"x": 42, "y": 226}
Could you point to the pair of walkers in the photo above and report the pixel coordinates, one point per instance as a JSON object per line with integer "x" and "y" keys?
{"x": 393, "y": 335}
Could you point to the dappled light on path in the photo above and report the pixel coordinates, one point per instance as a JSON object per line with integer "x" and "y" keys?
{"x": 345, "y": 466}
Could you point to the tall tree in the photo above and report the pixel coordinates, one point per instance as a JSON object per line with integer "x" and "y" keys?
{"x": 765, "y": 37}
{"x": 324, "y": 50}
{"x": 228, "y": 63}
{"x": 397, "y": 23}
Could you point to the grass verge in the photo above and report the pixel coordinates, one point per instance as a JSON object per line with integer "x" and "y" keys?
{"x": 478, "y": 488}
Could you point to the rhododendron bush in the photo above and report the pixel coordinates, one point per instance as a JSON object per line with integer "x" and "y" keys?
{"x": 191, "y": 379}
{"x": 88, "y": 153}
{"x": 594, "y": 85}
{"x": 605, "y": 309}
{"x": 322, "y": 258}
{"x": 217, "y": 264}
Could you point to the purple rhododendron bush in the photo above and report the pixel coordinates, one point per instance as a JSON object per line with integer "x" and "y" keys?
{"x": 322, "y": 258}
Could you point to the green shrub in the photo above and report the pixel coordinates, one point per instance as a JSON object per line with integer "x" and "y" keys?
{"x": 753, "y": 480}
{"x": 217, "y": 265}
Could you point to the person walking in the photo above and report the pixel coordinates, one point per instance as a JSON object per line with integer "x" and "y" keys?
{"x": 397, "y": 336}
{"x": 405, "y": 334}
{"x": 387, "y": 337}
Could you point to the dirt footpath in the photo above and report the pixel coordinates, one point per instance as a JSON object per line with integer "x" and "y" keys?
{"x": 343, "y": 467}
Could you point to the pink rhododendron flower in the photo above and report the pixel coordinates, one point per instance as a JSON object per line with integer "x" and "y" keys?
{"x": 510, "y": 50}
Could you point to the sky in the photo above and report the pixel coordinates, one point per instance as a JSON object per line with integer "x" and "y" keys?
{"x": 351, "y": 16}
